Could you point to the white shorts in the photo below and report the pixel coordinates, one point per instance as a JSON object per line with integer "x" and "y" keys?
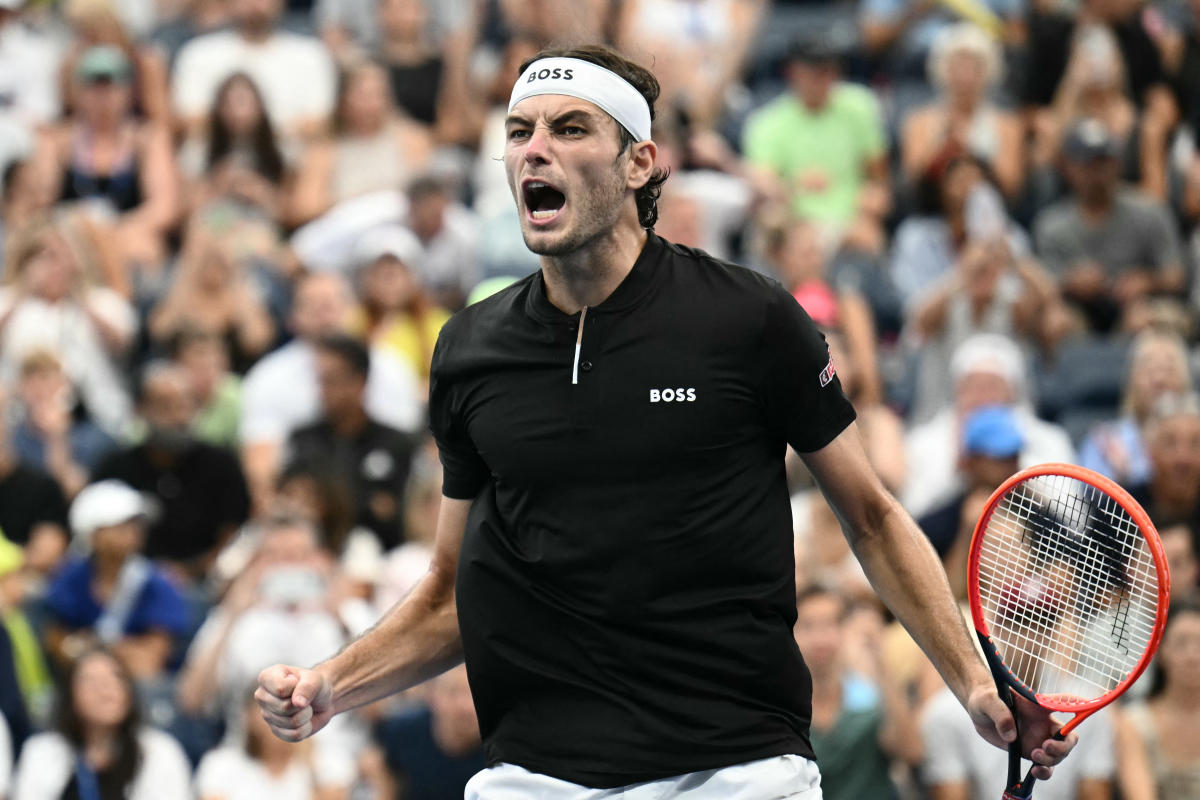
{"x": 788, "y": 777}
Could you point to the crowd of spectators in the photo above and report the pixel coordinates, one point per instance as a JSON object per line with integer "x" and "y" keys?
{"x": 230, "y": 231}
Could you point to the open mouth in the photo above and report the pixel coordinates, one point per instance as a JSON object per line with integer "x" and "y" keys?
{"x": 543, "y": 201}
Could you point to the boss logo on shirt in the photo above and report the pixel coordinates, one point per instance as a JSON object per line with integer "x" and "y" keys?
{"x": 680, "y": 395}
{"x": 557, "y": 72}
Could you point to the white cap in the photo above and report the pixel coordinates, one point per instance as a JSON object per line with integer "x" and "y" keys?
{"x": 393, "y": 240}
{"x": 991, "y": 353}
{"x": 12, "y": 5}
{"x": 103, "y": 504}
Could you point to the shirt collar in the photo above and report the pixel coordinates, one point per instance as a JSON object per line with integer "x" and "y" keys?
{"x": 628, "y": 293}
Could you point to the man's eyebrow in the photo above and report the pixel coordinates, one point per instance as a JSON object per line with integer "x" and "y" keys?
{"x": 571, "y": 115}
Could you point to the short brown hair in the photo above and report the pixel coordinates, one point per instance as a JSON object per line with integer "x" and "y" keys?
{"x": 639, "y": 78}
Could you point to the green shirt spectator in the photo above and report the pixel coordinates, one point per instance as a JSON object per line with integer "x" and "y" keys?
{"x": 823, "y": 154}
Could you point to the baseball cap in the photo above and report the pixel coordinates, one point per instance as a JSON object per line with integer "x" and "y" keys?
{"x": 102, "y": 63}
{"x": 820, "y": 47}
{"x": 393, "y": 240}
{"x": 1088, "y": 140}
{"x": 993, "y": 431}
{"x": 103, "y": 504}
{"x": 992, "y": 353}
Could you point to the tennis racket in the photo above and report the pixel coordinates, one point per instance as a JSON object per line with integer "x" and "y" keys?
{"x": 1069, "y": 589}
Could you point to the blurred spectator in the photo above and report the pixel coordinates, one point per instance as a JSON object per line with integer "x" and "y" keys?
{"x": 899, "y": 35}
{"x": 1094, "y": 86}
{"x": 959, "y": 764}
{"x": 963, "y": 64}
{"x": 1179, "y": 545}
{"x": 28, "y": 82}
{"x": 992, "y": 443}
{"x": 433, "y": 750}
{"x": 823, "y": 140}
{"x": 448, "y": 265}
{"x": 321, "y": 497}
{"x": 350, "y": 27}
{"x": 699, "y": 48}
{"x": 112, "y": 594}
{"x": 51, "y": 302}
{"x": 218, "y": 392}
{"x": 122, "y": 166}
{"x": 1172, "y": 437}
{"x": 260, "y": 767}
{"x": 985, "y": 370}
{"x": 713, "y": 182}
{"x": 822, "y": 554}
{"x": 1063, "y": 49}
{"x": 989, "y": 291}
{"x": 99, "y": 747}
{"x": 33, "y": 511}
{"x": 279, "y": 606}
{"x": 49, "y": 435}
{"x": 24, "y": 198}
{"x": 859, "y": 721}
{"x": 97, "y": 22}
{"x": 372, "y": 458}
{"x": 281, "y": 393}
{"x": 550, "y": 21}
{"x": 213, "y": 291}
{"x": 1159, "y": 758}
{"x": 197, "y": 493}
{"x": 1157, "y": 365}
{"x": 25, "y": 682}
{"x": 238, "y": 156}
{"x": 1107, "y": 246}
{"x": 187, "y": 20}
{"x": 929, "y": 243}
{"x": 416, "y": 67}
{"x": 397, "y": 313}
{"x": 374, "y": 147}
{"x": 294, "y": 72}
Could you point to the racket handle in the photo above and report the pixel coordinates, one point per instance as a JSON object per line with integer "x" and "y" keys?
{"x": 1027, "y": 784}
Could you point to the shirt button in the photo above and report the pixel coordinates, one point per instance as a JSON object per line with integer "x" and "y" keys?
{"x": 586, "y": 366}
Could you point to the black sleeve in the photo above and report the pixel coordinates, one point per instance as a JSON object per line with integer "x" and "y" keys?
{"x": 804, "y": 396}
{"x": 52, "y": 505}
{"x": 464, "y": 472}
{"x": 235, "y": 494}
{"x": 12, "y": 704}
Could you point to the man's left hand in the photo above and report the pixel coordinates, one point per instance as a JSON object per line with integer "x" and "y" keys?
{"x": 994, "y": 722}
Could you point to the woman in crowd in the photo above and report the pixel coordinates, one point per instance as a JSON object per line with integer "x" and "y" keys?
{"x": 240, "y": 159}
{"x": 964, "y": 64}
{"x": 212, "y": 291}
{"x": 50, "y": 301}
{"x": 264, "y": 767}
{"x": 100, "y": 750}
{"x": 374, "y": 147}
{"x": 929, "y": 243}
{"x": 396, "y": 312}
{"x": 1158, "y": 741}
{"x": 1158, "y": 365}
{"x": 120, "y": 165}
{"x": 98, "y": 22}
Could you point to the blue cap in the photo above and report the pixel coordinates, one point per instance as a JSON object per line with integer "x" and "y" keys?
{"x": 993, "y": 431}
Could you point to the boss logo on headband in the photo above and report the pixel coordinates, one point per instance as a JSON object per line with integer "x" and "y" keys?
{"x": 557, "y": 72}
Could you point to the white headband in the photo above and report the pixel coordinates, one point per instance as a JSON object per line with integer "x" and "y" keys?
{"x": 587, "y": 81}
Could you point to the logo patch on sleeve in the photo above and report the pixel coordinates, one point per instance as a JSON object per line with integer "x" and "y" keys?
{"x": 827, "y": 374}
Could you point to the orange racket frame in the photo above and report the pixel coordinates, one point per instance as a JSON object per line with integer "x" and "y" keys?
{"x": 1005, "y": 679}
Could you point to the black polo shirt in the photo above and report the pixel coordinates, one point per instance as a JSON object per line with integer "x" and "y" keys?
{"x": 626, "y": 584}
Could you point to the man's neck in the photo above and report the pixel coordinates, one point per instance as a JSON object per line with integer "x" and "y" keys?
{"x": 350, "y": 423}
{"x": 255, "y": 35}
{"x": 1097, "y": 208}
{"x": 586, "y": 277}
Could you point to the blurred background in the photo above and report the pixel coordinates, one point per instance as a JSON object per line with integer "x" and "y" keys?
{"x": 231, "y": 230}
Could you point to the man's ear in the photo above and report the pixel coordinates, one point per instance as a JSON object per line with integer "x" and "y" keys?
{"x": 642, "y": 158}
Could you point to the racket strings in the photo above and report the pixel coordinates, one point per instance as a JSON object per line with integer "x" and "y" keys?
{"x": 1068, "y": 588}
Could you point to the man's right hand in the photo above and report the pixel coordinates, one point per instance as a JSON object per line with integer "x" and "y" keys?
{"x": 295, "y": 702}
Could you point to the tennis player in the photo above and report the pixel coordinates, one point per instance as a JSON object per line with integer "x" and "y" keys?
{"x": 614, "y": 546}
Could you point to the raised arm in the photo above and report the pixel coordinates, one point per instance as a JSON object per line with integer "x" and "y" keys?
{"x": 907, "y": 575}
{"x": 416, "y": 640}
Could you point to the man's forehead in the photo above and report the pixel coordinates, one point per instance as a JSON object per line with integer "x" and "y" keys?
{"x": 549, "y": 107}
